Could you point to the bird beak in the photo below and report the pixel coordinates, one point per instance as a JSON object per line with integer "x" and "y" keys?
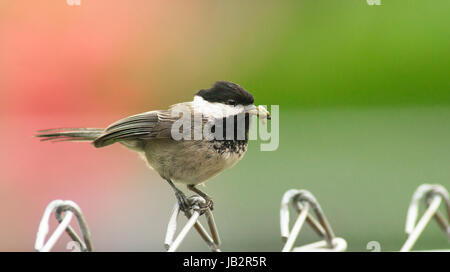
{"x": 262, "y": 112}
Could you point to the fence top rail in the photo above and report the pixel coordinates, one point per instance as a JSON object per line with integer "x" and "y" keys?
{"x": 301, "y": 201}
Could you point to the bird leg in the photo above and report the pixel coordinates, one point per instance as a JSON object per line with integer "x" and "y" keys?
{"x": 182, "y": 199}
{"x": 209, "y": 201}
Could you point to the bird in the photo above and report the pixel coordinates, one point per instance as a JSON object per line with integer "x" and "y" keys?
{"x": 187, "y": 161}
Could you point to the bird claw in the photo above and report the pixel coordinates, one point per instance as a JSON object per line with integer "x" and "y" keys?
{"x": 183, "y": 201}
{"x": 187, "y": 204}
{"x": 209, "y": 203}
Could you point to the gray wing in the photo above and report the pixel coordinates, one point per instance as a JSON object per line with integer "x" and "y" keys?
{"x": 147, "y": 125}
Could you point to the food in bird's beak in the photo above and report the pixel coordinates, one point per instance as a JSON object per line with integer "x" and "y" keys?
{"x": 263, "y": 114}
{"x": 260, "y": 111}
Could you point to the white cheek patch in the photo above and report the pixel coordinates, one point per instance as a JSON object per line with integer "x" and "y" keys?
{"x": 215, "y": 110}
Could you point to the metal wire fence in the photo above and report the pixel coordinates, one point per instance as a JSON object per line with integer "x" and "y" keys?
{"x": 302, "y": 202}
{"x": 432, "y": 196}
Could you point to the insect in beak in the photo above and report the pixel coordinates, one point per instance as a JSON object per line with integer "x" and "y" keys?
{"x": 260, "y": 111}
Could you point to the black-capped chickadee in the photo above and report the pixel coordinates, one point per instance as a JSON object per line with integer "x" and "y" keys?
{"x": 186, "y": 160}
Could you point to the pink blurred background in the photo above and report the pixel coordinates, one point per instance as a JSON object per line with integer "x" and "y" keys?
{"x": 65, "y": 65}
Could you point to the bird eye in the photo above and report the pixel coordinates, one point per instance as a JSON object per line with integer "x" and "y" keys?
{"x": 231, "y": 102}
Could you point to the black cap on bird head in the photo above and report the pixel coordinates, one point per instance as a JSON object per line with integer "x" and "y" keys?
{"x": 227, "y": 93}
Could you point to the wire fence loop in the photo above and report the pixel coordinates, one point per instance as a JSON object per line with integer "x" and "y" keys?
{"x": 199, "y": 208}
{"x": 302, "y": 201}
{"x": 64, "y": 211}
{"x": 432, "y": 194}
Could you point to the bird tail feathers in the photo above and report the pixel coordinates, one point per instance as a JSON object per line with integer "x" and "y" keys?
{"x": 70, "y": 134}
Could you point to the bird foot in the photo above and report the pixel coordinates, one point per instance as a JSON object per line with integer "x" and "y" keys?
{"x": 183, "y": 201}
{"x": 209, "y": 203}
{"x": 187, "y": 203}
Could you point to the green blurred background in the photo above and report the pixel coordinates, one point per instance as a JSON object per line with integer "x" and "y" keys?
{"x": 364, "y": 95}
